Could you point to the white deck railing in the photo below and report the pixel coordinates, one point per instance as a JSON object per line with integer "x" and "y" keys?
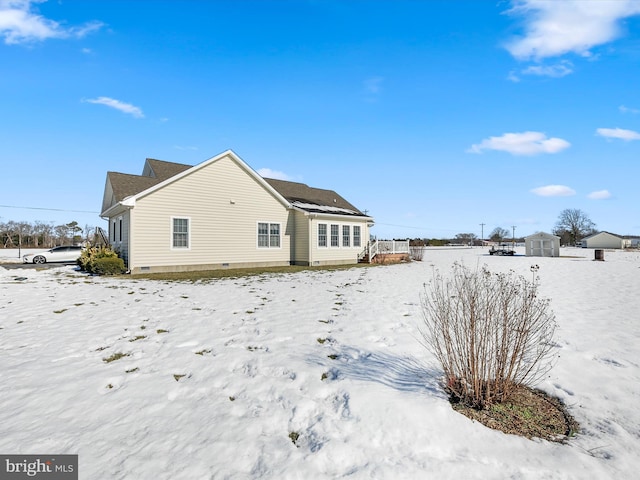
{"x": 380, "y": 247}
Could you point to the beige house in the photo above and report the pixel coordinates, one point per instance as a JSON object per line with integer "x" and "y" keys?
{"x": 602, "y": 240}
{"x": 222, "y": 214}
{"x": 542, "y": 244}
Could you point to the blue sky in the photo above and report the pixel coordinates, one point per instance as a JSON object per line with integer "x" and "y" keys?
{"x": 434, "y": 116}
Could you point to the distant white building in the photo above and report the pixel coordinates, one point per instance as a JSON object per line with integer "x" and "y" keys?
{"x": 602, "y": 240}
{"x": 542, "y": 244}
{"x": 631, "y": 242}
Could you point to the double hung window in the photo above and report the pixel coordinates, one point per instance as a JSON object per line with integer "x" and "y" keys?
{"x": 357, "y": 239}
{"x": 335, "y": 235}
{"x": 180, "y": 233}
{"x": 322, "y": 234}
{"x": 268, "y": 235}
{"x": 346, "y": 235}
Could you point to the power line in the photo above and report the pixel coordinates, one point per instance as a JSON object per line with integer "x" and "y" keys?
{"x": 418, "y": 228}
{"x": 49, "y": 209}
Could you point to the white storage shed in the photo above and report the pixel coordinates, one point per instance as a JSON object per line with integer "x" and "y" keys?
{"x": 542, "y": 244}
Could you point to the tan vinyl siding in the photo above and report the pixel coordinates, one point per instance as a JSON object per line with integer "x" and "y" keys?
{"x": 224, "y": 204}
{"x": 337, "y": 255}
{"x": 301, "y": 239}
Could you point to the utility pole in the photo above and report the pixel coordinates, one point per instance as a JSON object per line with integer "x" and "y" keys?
{"x": 482, "y": 235}
{"x": 513, "y": 238}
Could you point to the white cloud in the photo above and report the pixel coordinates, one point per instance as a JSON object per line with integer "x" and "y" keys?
{"x": 599, "y": 195}
{"x": 620, "y": 133}
{"x": 118, "y": 105}
{"x": 554, "y": 28}
{"x": 19, "y": 23}
{"x": 268, "y": 173}
{"x": 558, "y": 70}
{"x": 624, "y": 109}
{"x": 513, "y": 77}
{"x": 554, "y": 191}
{"x": 525, "y": 143}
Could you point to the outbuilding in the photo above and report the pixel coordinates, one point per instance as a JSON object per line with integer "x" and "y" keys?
{"x": 542, "y": 244}
{"x": 602, "y": 240}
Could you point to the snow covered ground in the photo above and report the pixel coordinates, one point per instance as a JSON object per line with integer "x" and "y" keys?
{"x": 218, "y": 378}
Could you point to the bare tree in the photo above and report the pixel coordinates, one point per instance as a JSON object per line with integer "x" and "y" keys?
{"x": 574, "y": 224}
{"x": 38, "y": 234}
{"x": 46, "y": 230}
{"x": 465, "y": 238}
{"x": 62, "y": 234}
{"x": 490, "y": 333}
{"x": 498, "y": 234}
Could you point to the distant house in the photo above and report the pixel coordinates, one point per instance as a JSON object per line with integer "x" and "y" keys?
{"x": 223, "y": 214}
{"x": 542, "y": 244}
{"x": 602, "y": 240}
{"x": 629, "y": 241}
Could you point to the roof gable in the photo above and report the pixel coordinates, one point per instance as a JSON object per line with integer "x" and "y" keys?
{"x": 604, "y": 234}
{"x": 542, "y": 235}
{"x": 158, "y": 173}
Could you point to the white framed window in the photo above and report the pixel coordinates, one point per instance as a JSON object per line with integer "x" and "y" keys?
{"x": 335, "y": 235}
{"x": 268, "y": 235}
{"x": 346, "y": 235}
{"x": 274, "y": 235}
{"x": 322, "y": 234}
{"x": 114, "y": 230}
{"x": 120, "y": 228}
{"x": 263, "y": 235}
{"x": 180, "y": 233}
{"x": 357, "y": 237}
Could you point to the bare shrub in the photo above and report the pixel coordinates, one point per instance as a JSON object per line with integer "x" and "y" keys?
{"x": 489, "y": 331}
{"x": 416, "y": 252}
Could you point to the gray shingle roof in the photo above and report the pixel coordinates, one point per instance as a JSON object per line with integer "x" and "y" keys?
{"x": 163, "y": 170}
{"x": 309, "y": 197}
{"x": 125, "y": 185}
{"x": 299, "y": 194}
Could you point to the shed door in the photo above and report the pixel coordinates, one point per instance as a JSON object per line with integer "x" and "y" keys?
{"x": 542, "y": 248}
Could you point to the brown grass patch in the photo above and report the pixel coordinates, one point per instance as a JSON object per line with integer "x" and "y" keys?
{"x": 528, "y": 412}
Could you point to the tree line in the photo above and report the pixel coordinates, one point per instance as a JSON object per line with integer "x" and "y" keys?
{"x": 43, "y": 235}
{"x": 572, "y": 226}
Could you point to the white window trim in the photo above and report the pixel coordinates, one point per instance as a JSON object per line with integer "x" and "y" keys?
{"x": 189, "y": 233}
{"x": 348, "y": 236}
{"x": 269, "y": 247}
{"x": 326, "y": 236}
{"x": 353, "y": 236}
{"x": 331, "y": 245}
{"x": 341, "y": 244}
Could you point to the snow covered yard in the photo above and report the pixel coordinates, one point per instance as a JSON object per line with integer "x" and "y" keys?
{"x": 310, "y": 375}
